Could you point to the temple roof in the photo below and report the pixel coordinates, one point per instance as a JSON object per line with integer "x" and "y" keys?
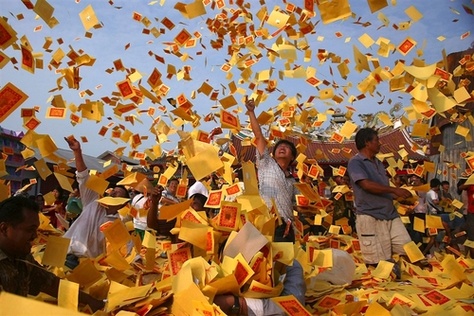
{"x": 331, "y": 152}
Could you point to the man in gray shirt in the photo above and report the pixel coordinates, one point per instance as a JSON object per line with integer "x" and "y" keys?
{"x": 379, "y": 227}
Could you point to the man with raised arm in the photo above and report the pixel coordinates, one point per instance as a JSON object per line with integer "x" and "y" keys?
{"x": 274, "y": 177}
{"x": 87, "y": 241}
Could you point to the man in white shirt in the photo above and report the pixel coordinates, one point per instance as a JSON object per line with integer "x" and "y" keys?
{"x": 87, "y": 241}
{"x": 432, "y": 198}
{"x": 139, "y": 203}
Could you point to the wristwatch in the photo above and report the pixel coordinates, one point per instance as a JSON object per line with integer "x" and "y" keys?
{"x": 235, "y": 309}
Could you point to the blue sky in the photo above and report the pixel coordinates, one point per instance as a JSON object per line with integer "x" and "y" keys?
{"x": 440, "y": 18}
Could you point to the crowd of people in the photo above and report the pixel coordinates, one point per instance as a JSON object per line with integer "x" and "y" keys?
{"x": 369, "y": 208}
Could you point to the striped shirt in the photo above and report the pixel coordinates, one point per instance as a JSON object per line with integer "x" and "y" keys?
{"x": 274, "y": 184}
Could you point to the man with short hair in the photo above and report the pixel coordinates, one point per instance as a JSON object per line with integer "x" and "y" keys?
{"x": 168, "y": 196}
{"x": 444, "y": 192}
{"x": 20, "y": 273}
{"x": 140, "y": 202}
{"x": 379, "y": 227}
{"x": 87, "y": 241}
{"x": 274, "y": 176}
{"x": 432, "y": 197}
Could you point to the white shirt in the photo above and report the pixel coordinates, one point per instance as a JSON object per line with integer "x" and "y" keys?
{"x": 86, "y": 238}
{"x": 138, "y": 201}
{"x": 198, "y": 187}
{"x": 431, "y": 197}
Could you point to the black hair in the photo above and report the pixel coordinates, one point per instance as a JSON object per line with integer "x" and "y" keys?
{"x": 125, "y": 189}
{"x": 60, "y": 190}
{"x": 460, "y": 182}
{"x": 11, "y": 209}
{"x": 286, "y": 142}
{"x": 363, "y": 136}
{"x": 434, "y": 183}
{"x": 444, "y": 182}
{"x": 199, "y": 197}
{"x": 173, "y": 179}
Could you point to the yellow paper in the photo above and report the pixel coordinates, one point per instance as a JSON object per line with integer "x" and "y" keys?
{"x": 375, "y": 309}
{"x": 413, "y": 252}
{"x": 434, "y": 221}
{"x": 383, "y": 270}
{"x": 116, "y": 260}
{"x": 113, "y": 201}
{"x": 55, "y": 252}
{"x": 63, "y": 182}
{"x": 127, "y": 296}
{"x": 169, "y": 212}
{"x": 277, "y": 19}
{"x": 194, "y": 233}
{"x": 97, "y": 184}
{"x": 68, "y": 294}
{"x": 18, "y": 305}
{"x": 132, "y": 179}
{"x": 249, "y": 178}
{"x": 42, "y": 169}
{"x": 323, "y": 258}
{"x": 88, "y": 18}
{"x": 117, "y": 234}
{"x": 204, "y": 163}
{"x": 85, "y": 273}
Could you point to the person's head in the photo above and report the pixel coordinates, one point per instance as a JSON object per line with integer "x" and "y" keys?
{"x": 346, "y": 180}
{"x": 445, "y": 185}
{"x": 119, "y": 191}
{"x": 58, "y": 193}
{"x": 434, "y": 184}
{"x": 367, "y": 138}
{"x": 338, "y": 180}
{"x": 39, "y": 199}
{"x": 173, "y": 185}
{"x": 284, "y": 149}
{"x": 398, "y": 180}
{"x": 199, "y": 200}
{"x": 19, "y": 221}
{"x": 415, "y": 180}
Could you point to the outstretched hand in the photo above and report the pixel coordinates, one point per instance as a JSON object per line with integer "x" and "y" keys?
{"x": 155, "y": 195}
{"x": 249, "y": 104}
{"x": 403, "y": 193}
{"x": 73, "y": 143}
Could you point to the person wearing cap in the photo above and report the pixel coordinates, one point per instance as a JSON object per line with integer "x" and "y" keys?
{"x": 87, "y": 241}
{"x": 274, "y": 176}
{"x": 380, "y": 230}
{"x": 199, "y": 187}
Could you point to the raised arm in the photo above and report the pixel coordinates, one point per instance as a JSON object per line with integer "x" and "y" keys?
{"x": 75, "y": 146}
{"x": 152, "y": 216}
{"x": 261, "y": 141}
